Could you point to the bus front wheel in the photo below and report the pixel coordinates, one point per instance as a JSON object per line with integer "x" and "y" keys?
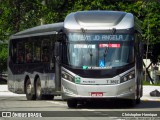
{"x": 29, "y": 92}
{"x": 138, "y": 101}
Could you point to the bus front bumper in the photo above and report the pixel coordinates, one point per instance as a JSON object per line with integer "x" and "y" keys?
{"x": 119, "y": 91}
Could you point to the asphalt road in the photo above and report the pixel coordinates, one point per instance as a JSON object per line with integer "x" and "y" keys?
{"x": 19, "y": 108}
{"x": 58, "y": 109}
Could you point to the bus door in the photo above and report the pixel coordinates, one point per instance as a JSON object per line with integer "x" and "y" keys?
{"x": 57, "y": 55}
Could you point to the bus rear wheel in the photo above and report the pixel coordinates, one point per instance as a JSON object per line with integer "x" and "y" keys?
{"x": 29, "y": 92}
{"x": 72, "y": 103}
{"x": 39, "y": 95}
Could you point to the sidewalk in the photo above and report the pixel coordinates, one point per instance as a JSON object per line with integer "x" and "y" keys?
{"x": 4, "y": 92}
{"x": 3, "y": 88}
{"x": 146, "y": 92}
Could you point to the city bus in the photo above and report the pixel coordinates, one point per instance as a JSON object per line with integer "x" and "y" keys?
{"x": 90, "y": 55}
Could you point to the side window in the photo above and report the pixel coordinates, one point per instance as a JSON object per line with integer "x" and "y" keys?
{"x": 64, "y": 53}
{"x": 20, "y": 52}
{"x": 13, "y": 51}
{"x": 45, "y": 50}
{"x": 37, "y": 51}
{"x": 28, "y": 52}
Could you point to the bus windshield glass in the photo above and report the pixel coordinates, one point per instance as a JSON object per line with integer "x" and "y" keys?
{"x": 100, "y": 51}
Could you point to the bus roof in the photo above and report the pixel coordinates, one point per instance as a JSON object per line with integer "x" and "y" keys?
{"x": 39, "y": 30}
{"x": 99, "y": 20}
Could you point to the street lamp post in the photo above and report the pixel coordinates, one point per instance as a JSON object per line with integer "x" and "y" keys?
{"x": 147, "y": 42}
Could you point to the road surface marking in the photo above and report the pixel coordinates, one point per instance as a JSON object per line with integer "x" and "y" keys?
{"x": 57, "y": 103}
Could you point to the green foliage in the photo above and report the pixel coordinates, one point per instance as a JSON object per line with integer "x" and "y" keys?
{"x": 17, "y": 15}
{"x": 148, "y": 83}
{"x": 5, "y": 29}
{"x": 3, "y": 57}
{"x": 151, "y": 21}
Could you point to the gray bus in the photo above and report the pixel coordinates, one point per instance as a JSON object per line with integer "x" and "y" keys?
{"x": 91, "y": 55}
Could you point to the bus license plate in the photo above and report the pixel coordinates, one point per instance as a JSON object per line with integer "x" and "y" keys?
{"x": 96, "y": 94}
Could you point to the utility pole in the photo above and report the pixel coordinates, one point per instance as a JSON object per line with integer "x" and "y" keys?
{"x": 147, "y": 43}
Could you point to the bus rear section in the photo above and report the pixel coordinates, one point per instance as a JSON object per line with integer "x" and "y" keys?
{"x": 31, "y": 62}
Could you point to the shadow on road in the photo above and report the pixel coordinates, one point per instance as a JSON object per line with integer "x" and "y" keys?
{"x": 149, "y": 104}
{"x": 3, "y": 81}
{"x": 118, "y": 105}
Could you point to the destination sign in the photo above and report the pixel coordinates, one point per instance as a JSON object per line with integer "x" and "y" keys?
{"x": 98, "y": 37}
{"x": 109, "y": 45}
{"x": 84, "y": 46}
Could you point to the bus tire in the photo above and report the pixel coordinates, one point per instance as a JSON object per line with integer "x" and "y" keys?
{"x": 72, "y": 103}
{"x": 138, "y": 101}
{"x": 30, "y": 95}
{"x": 38, "y": 90}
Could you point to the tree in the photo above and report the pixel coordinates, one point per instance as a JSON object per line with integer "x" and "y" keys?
{"x": 151, "y": 21}
{"x": 17, "y": 15}
{"x": 5, "y": 30}
{"x": 3, "y": 57}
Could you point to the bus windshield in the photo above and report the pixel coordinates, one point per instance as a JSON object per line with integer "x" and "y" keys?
{"x": 100, "y": 54}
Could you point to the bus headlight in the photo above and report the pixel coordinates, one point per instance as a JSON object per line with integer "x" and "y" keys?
{"x": 128, "y": 76}
{"x": 67, "y": 76}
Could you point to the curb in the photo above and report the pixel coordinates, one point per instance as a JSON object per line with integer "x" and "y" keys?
{"x": 155, "y": 100}
{"x": 149, "y": 98}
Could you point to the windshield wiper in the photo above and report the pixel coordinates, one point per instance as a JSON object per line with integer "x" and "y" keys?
{"x": 106, "y": 49}
{"x": 88, "y": 46}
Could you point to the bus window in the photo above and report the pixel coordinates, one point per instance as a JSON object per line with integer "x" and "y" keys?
{"x": 28, "y": 52}
{"x": 20, "y": 52}
{"x": 13, "y": 51}
{"x": 45, "y": 50}
{"x": 37, "y": 51}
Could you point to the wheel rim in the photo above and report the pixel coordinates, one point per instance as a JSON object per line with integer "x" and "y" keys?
{"x": 29, "y": 88}
{"x": 38, "y": 91}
